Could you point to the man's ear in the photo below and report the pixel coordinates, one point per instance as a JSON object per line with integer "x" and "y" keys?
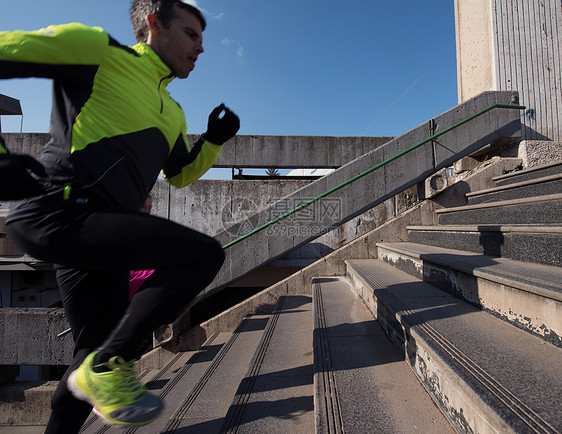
{"x": 153, "y": 24}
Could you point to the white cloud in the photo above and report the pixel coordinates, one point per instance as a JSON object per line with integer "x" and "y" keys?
{"x": 240, "y": 52}
{"x": 205, "y": 12}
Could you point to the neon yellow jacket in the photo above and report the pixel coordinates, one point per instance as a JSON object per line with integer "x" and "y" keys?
{"x": 114, "y": 126}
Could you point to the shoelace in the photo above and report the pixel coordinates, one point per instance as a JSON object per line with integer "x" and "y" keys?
{"x": 125, "y": 385}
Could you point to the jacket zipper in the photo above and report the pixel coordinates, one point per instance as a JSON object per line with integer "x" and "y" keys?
{"x": 159, "y": 94}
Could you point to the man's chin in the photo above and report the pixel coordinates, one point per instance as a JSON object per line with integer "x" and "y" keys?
{"x": 183, "y": 74}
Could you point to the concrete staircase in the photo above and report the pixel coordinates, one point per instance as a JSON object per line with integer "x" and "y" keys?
{"x": 440, "y": 320}
{"x": 275, "y": 373}
{"x": 455, "y": 329}
{"x": 475, "y": 304}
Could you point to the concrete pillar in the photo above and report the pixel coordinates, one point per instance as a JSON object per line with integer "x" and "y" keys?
{"x": 475, "y": 60}
{"x": 514, "y": 45}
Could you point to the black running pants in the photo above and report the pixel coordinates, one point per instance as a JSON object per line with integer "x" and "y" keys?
{"x": 94, "y": 248}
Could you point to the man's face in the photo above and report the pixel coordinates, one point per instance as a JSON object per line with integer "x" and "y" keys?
{"x": 180, "y": 44}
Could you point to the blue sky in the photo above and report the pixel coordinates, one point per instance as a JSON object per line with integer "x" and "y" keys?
{"x": 309, "y": 67}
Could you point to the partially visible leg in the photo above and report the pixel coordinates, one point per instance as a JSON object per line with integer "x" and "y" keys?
{"x": 94, "y": 302}
{"x": 159, "y": 301}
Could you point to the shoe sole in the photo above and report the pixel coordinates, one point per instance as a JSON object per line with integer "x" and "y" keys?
{"x": 79, "y": 394}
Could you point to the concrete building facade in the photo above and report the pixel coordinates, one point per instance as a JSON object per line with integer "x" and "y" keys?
{"x": 514, "y": 45}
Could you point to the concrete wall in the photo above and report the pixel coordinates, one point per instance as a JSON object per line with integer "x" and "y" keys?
{"x": 29, "y": 337}
{"x": 211, "y": 206}
{"x": 295, "y": 151}
{"x": 254, "y": 151}
{"x": 514, "y": 45}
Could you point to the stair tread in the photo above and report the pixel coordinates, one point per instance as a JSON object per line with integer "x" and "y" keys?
{"x": 515, "y": 185}
{"x": 507, "y": 365}
{"x": 527, "y": 171}
{"x": 366, "y": 368}
{"x": 277, "y": 392}
{"x": 548, "y": 197}
{"x": 523, "y": 228}
{"x": 198, "y": 386}
{"x": 95, "y": 424}
{"x": 544, "y": 280}
{"x": 166, "y": 382}
{"x": 204, "y": 407}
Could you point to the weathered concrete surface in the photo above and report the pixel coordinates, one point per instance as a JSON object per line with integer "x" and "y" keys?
{"x": 7, "y": 246}
{"x": 355, "y": 363}
{"x": 254, "y": 151}
{"x": 532, "y": 243}
{"x": 295, "y": 151}
{"x": 484, "y": 374}
{"x": 529, "y": 173}
{"x": 211, "y": 206}
{"x": 497, "y": 47}
{"x": 474, "y": 47}
{"x": 29, "y": 337}
{"x": 26, "y": 403}
{"x": 26, "y": 143}
{"x": 535, "y": 210}
{"x": 538, "y": 152}
{"x": 524, "y": 294}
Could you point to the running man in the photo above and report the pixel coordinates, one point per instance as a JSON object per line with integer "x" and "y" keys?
{"x": 114, "y": 128}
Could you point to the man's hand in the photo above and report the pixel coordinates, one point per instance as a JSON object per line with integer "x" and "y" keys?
{"x": 219, "y": 130}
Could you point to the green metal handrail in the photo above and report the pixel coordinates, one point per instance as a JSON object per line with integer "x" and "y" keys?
{"x": 366, "y": 172}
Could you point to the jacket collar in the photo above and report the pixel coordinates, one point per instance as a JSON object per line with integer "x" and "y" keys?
{"x": 162, "y": 71}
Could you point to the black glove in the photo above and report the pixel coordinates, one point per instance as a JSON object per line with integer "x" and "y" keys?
{"x": 219, "y": 130}
{"x": 31, "y": 164}
{"x": 15, "y": 180}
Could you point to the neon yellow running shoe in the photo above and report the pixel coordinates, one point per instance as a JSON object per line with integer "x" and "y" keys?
{"x": 117, "y": 394}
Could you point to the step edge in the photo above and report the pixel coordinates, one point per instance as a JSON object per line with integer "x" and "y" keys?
{"x": 515, "y": 185}
{"x": 184, "y": 407}
{"x": 328, "y": 416}
{"x": 505, "y": 279}
{"x": 523, "y": 228}
{"x": 237, "y": 408}
{"x": 527, "y": 171}
{"x": 523, "y": 201}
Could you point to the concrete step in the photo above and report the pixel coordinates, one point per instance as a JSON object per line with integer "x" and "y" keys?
{"x": 529, "y": 174}
{"x": 26, "y": 403}
{"x": 484, "y": 374}
{"x": 203, "y": 408}
{"x": 541, "y": 210}
{"x": 362, "y": 383}
{"x": 276, "y": 395}
{"x": 541, "y": 244}
{"x": 536, "y": 187}
{"x": 523, "y": 294}
{"x": 198, "y": 389}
